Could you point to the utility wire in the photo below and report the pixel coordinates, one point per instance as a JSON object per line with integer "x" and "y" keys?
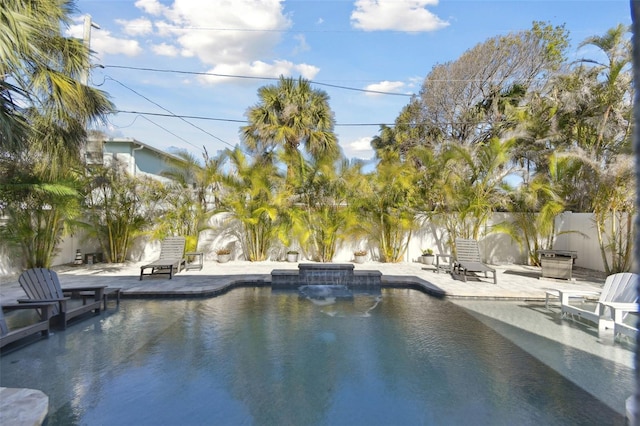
{"x": 230, "y": 120}
{"x": 170, "y": 113}
{"x": 378, "y": 92}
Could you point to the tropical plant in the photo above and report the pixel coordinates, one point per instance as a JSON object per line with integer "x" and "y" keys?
{"x": 288, "y": 115}
{"x": 534, "y": 207}
{"x": 387, "y": 206}
{"x": 44, "y": 108}
{"x": 252, "y": 198}
{"x": 474, "y": 186}
{"x": 118, "y": 207}
{"x": 597, "y": 120}
{"x": 190, "y": 200}
{"x": 37, "y": 212}
{"x": 45, "y": 70}
{"x": 320, "y": 216}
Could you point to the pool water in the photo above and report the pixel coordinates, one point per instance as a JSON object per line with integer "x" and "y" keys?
{"x": 253, "y": 356}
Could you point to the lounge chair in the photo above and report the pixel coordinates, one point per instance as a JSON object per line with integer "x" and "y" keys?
{"x": 42, "y": 285}
{"x": 618, "y": 296}
{"x": 468, "y": 259}
{"x": 45, "y": 311}
{"x": 171, "y": 258}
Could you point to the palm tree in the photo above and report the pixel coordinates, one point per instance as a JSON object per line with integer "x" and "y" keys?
{"x": 597, "y": 120}
{"x": 386, "y": 203}
{"x": 616, "y": 82}
{"x": 190, "y": 200}
{"x": 289, "y": 115}
{"x": 252, "y": 197}
{"x": 118, "y": 208}
{"x": 321, "y": 215}
{"x": 473, "y": 185}
{"x": 44, "y": 111}
{"x": 45, "y": 69}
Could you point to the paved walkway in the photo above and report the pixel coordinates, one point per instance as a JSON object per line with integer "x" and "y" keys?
{"x": 515, "y": 282}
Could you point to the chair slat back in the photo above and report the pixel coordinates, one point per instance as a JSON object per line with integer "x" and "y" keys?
{"x": 172, "y": 248}
{"x": 467, "y": 250}
{"x": 620, "y": 287}
{"x": 41, "y": 283}
{"x": 3, "y": 324}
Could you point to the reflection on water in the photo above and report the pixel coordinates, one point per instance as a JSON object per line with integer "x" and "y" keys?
{"x": 257, "y": 357}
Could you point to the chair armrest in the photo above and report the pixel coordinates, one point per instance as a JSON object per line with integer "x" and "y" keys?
{"x": 62, "y": 302}
{"x": 565, "y": 295}
{"x": 30, "y": 305}
{"x": 46, "y": 308}
{"x": 41, "y": 301}
{"x": 84, "y": 288}
{"x": 619, "y": 309}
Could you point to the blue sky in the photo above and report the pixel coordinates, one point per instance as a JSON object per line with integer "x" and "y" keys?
{"x": 384, "y": 45}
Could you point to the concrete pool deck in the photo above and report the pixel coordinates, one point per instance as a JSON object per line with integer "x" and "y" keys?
{"x": 516, "y": 283}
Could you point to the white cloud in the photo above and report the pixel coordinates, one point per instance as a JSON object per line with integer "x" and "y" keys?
{"x": 105, "y": 43}
{"x": 396, "y": 15}
{"x": 302, "y": 44}
{"x": 260, "y": 69}
{"x": 102, "y": 42}
{"x": 136, "y": 27}
{"x": 360, "y": 148}
{"x": 218, "y": 32}
{"x": 164, "y": 49}
{"x": 152, "y": 7}
{"x": 384, "y": 86}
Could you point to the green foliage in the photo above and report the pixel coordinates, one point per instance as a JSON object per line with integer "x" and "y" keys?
{"x": 253, "y": 198}
{"x": 37, "y": 213}
{"x": 189, "y": 200}
{"x": 319, "y": 215}
{"x": 387, "y": 207}
{"x": 534, "y": 207}
{"x": 119, "y": 207}
{"x": 289, "y": 115}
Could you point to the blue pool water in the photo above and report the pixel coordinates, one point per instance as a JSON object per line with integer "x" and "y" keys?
{"x": 257, "y": 357}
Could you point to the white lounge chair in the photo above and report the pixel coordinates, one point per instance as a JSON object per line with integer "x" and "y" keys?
{"x": 619, "y": 293}
{"x": 171, "y": 259}
{"x": 468, "y": 259}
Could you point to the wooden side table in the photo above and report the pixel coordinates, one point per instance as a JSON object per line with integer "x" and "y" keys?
{"x": 198, "y": 260}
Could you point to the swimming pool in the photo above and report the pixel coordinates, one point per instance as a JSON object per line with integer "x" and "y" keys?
{"x": 254, "y": 356}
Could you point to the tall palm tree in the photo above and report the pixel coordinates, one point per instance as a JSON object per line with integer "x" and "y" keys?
{"x": 45, "y": 70}
{"x": 291, "y": 114}
{"x": 44, "y": 109}
{"x": 617, "y": 48}
{"x": 597, "y": 119}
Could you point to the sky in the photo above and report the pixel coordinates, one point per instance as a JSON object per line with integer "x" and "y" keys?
{"x": 183, "y": 73}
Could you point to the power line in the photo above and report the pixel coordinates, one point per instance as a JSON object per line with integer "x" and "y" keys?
{"x": 248, "y": 77}
{"x": 170, "y": 113}
{"x": 230, "y": 120}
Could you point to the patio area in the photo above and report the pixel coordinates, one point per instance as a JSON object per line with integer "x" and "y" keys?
{"x": 515, "y": 282}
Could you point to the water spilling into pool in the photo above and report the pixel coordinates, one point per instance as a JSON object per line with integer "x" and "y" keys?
{"x": 254, "y": 356}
